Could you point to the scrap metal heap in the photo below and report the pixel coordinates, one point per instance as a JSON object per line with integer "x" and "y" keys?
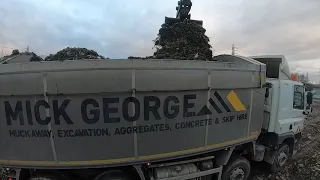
{"x": 74, "y": 54}
{"x": 178, "y": 38}
{"x": 19, "y": 57}
{"x": 182, "y": 38}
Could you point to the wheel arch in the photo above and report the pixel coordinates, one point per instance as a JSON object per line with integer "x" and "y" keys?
{"x": 53, "y": 174}
{"x": 222, "y": 157}
{"x": 113, "y": 175}
{"x": 25, "y": 174}
{"x": 240, "y": 161}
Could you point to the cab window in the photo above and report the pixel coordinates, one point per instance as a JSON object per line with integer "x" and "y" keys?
{"x": 298, "y": 97}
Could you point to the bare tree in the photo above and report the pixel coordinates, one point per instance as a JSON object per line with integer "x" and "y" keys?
{"x": 303, "y": 78}
{"x": 15, "y": 52}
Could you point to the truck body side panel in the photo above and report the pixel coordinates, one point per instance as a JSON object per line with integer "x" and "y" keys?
{"x": 23, "y": 148}
{"x": 127, "y": 112}
{"x": 256, "y": 115}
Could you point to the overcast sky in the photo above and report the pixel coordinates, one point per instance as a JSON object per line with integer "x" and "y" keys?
{"x": 120, "y": 28}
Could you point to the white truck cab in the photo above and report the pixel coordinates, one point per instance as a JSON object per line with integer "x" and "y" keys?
{"x": 284, "y": 111}
{"x": 285, "y": 99}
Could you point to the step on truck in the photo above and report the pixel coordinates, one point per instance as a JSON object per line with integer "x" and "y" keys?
{"x": 147, "y": 119}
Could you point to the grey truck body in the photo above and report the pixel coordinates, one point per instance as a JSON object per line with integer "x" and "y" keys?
{"x": 90, "y": 113}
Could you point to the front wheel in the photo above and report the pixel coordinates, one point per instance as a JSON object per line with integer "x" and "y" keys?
{"x": 48, "y": 176}
{"x": 281, "y": 157}
{"x": 238, "y": 168}
{"x": 113, "y": 175}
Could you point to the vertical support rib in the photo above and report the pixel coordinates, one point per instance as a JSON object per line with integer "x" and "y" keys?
{"x": 134, "y": 123}
{"x": 208, "y": 104}
{"x": 45, "y": 94}
{"x": 249, "y": 123}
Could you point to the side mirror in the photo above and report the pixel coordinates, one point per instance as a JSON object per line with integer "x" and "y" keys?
{"x": 267, "y": 93}
{"x": 309, "y": 98}
{"x": 268, "y": 86}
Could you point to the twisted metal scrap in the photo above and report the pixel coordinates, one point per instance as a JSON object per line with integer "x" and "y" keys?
{"x": 183, "y": 40}
{"x": 73, "y": 54}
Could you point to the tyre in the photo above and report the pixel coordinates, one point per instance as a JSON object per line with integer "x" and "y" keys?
{"x": 48, "y": 176}
{"x": 238, "y": 168}
{"x": 281, "y": 158}
{"x": 113, "y": 175}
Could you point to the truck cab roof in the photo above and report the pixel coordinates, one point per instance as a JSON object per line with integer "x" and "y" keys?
{"x": 277, "y": 66}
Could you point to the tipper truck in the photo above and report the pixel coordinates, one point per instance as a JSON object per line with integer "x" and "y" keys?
{"x": 147, "y": 119}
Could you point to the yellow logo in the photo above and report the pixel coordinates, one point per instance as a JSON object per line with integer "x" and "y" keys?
{"x": 235, "y": 101}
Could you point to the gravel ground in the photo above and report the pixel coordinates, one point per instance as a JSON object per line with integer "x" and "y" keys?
{"x": 305, "y": 163}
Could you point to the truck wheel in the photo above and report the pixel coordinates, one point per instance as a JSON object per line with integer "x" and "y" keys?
{"x": 48, "y": 176}
{"x": 113, "y": 175}
{"x": 238, "y": 168}
{"x": 281, "y": 158}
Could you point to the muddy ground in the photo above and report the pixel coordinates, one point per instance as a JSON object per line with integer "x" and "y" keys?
{"x": 305, "y": 163}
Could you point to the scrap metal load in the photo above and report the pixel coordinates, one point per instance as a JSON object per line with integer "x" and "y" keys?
{"x": 106, "y": 112}
{"x": 17, "y": 57}
{"x": 182, "y": 38}
{"x": 73, "y": 54}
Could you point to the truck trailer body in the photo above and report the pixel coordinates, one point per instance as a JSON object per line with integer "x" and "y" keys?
{"x": 144, "y": 119}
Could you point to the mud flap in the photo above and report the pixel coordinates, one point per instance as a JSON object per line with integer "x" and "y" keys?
{"x": 269, "y": 156}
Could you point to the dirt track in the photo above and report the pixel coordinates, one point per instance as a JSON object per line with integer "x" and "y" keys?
{"x": 305, "y": 163}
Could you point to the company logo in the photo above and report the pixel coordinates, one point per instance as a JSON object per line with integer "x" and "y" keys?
{"x": 108, "y": 109}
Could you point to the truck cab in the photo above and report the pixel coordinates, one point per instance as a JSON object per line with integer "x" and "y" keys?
{"x": 284, "y": 111}
{"x": 285, "y": 98}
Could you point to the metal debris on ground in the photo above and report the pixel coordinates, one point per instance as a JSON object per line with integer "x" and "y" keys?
{"x": 184, "y": 40}
{"x": 74, "y": 54}
{"x": 147, "y": 57}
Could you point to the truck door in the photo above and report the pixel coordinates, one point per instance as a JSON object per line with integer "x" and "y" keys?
{"x": 298, "y": 108}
